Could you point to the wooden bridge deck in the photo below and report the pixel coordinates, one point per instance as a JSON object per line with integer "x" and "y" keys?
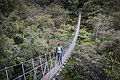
{"x": 67, "y": 54}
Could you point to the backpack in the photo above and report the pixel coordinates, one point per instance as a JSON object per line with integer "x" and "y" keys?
{"x": 59, "y": 50}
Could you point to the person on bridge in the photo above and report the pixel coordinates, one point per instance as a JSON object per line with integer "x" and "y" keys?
{"x": 59, "y": 52}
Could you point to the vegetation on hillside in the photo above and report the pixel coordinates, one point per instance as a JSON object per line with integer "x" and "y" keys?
{"x": 30, "y": 27}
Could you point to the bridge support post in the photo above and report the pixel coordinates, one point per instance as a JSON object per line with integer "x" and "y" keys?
{"x": 50, "y": 65}
{"x": 41, "y": 64}
{"x": 51, "y": 62}
{"x": 23, "y": 71}
{"x": 33, "y": 65}
{"x": 6, "y": 73}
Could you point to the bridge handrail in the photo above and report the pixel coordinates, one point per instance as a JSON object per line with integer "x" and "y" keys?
{"x": 23, "y": 62}
{"x": 34, "y": 68}
{"x": 67, "y": 53}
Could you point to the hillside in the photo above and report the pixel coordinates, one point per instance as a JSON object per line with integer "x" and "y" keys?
{"x": 29, "y": 28}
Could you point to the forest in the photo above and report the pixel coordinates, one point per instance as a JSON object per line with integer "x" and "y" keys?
{"x": 31, "y": 28}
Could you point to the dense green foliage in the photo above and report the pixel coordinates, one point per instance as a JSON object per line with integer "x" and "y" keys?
{"x": 28, "y": 31}
{"x": 29, "y": 27}
{"x": 101, "y": 47}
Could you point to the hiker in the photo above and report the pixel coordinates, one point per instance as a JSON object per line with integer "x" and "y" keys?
{"x": 59, "y": 52}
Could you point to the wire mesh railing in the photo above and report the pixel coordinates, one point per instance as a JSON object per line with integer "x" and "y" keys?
{"x": 25, "y": 69}
{"x": 72, "y": 45}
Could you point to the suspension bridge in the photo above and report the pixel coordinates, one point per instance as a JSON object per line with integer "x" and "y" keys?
{"x": 43, "y": 67}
